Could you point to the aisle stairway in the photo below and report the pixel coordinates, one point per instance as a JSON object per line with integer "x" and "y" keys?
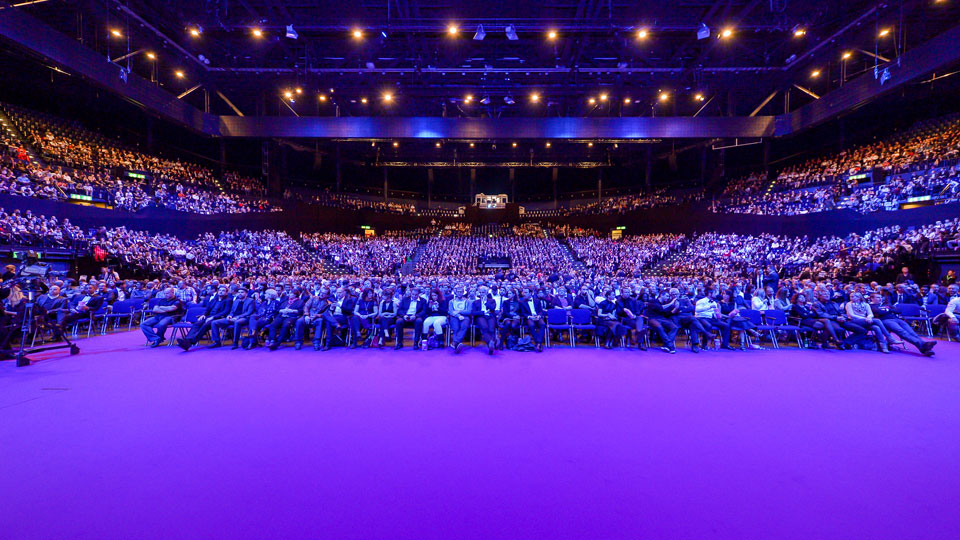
{"x": 576, "y": 264}
{"x": 410, "y": 267}
{"x": 10, "y": 130}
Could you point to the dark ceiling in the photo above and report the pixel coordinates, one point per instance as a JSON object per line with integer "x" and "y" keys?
{"x": 407, "y": 52}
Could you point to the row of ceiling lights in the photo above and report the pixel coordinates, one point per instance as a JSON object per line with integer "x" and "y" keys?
{"x": 388, "y": 97}
{"x": 551, "y": 35}
{"x": 438, "y": 144}
{"x": 452, "y": 29}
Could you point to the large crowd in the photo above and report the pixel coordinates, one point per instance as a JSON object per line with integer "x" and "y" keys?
{"x": 80, "y": 162}
{"x": 252, "y": 288}
{"x": 919, "y": 163}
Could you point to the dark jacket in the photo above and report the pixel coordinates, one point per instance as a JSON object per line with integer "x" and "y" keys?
{"x": 243, "y": 308}
{"x": 477, "y": 308}
{"x": 525, "y": 307}
{"x": 219, "y": 308}
{"x": 405, "y": 306}
{"x": 433, "y": 308}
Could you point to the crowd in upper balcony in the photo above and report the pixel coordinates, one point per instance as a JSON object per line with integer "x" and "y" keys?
{"x": 73, "y": 161}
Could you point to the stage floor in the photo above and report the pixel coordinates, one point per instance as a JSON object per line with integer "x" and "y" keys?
{"x": 127, "y": 442}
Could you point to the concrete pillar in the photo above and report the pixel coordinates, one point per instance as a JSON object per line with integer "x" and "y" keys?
{"x": 556, "y": 191}
{"x": 649, "y": 167}
{"x": 223, "y": 157}
{"x": 766, "y": 157}
{"x": 386, "y": 184}
{"x": 339, "y": 173}
{"x": 513, "y": 185}
{"x": 430, "y": 188}
{"x": 703, "y": 165}
{"x": 599, "y": 184}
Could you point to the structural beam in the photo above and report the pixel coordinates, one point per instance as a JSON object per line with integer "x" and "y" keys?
{"x": 392, "y": 127}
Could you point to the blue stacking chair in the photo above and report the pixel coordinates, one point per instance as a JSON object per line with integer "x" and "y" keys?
{"x": 558, "y": 319}
{"x": 582, "y": 319}
{"x": 185, "y": 324}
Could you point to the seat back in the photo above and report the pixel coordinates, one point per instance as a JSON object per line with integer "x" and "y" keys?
{"x": 776, "y": 317}
{"x": 752, "y": 315}
{"x": 556, "y": 316}
{"x": 152, "y": 303}
{"x": 581, "y": 316}
{"x": 123, "y": 307}
{"x": 935, "y": 309}
{"x": 193, "y": 314}
{"x": 908, "y": 310}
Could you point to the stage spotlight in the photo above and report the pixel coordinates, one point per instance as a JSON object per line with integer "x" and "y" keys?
{"x": 395, "y": 144}
{"x": 437, "y": 144}
{"x": 299, "y": 90}
{"x": 453, "y": 30}
{"x": 357, "y": 33}
{"x": 847, "y": 55}
{"x": 116, "y": 33}
{"x": 513, "y": 145}
{"x": 291, "y": 33}
{"x": 257, "y": 33}
{"x": 468, "y": 98}
{"x": 799, "y": 31}
{"x": 179, "y": 74}
{"x": 323, "y": 97}
{"x": 548, "y": 145}
{"x": 480, "y": 34}
{"x": 603, "y": 97}
{"x": 552, "y": 35}
{"x": 663, "y": 96}
{"x": 485, "y": 100}
{"x": 884, "y": 32}
{"x": 592, "y": 101}
{"x": 815, "y": 73}
{"x": 535, "y": 97}
{"x": 627, "y": 101}
{"x": 699, "y": 97}
{"x": 388, "y": 97}
{"x": 509, "y": 100}
{"x": 151, "y": 56}
{"x": 363, "y": 100}
{"x": 589, "y": 145}
{"x": 288, "y": 94}
{"x": 471, "y": 145}
{"x": 642, "y": 33}
{"x": 511, "y": 32}
{"x": 196, "y": 31}
{"x": 726, "y": 33}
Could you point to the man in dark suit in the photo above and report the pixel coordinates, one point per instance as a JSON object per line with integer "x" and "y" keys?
{"x": 533, "y": 315}
{"x": 484, "y": 317}
{"x": 267, "y": 310}
{"x": 55, "y": 304}
{"x": 216, "y": 309}
{"x": 410, "y": 313}
{"x": 904, "y": 276}
{"x": 339, "y": 314}
{"x": 902, "y": 295}
{"x": 290, "y": 311}
{"x": 241, "y": 309}
{"x": 83, "y": 305}
{"x": 660, "y": 314}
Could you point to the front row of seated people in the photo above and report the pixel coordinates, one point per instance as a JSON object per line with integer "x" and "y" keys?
{"x": 336, "y": 315}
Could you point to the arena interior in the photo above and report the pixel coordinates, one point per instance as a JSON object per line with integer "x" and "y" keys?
{"x": 444, "y": 269}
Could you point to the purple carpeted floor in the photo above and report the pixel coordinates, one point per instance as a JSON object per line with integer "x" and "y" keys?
{"x": 127, "y": 442}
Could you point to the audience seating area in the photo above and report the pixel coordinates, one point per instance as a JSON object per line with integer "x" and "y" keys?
{"x": 78, "y": 162}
